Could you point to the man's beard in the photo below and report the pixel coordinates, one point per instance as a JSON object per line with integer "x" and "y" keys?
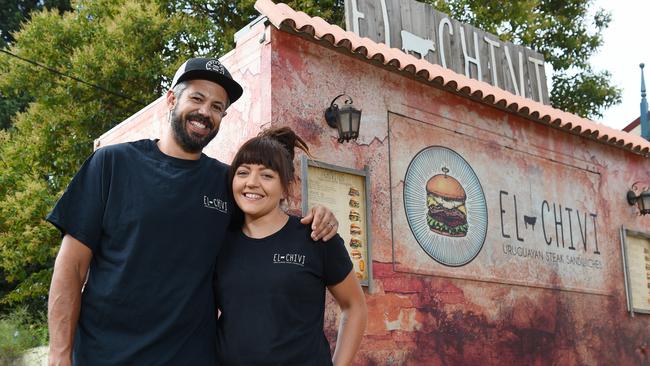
{"x": 190, "y": 143}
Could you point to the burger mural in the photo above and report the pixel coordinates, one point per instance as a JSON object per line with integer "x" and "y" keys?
{"x": 446, "y": 214}
{"x": 445, "y": 206}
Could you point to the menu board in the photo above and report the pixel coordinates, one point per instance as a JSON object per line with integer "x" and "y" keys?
{"x": 638, "y": 271}
{"x": 344, "y": 191}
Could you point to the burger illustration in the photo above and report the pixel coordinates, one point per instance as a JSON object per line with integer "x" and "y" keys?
{"x": 446, "y": 214}
{"x": 355, "y": 243}
{"x": 353, "y": 192}
{"x": 354, "y": 203}
{"x": 355, "y": 229}
{"x": 354, "y": 215}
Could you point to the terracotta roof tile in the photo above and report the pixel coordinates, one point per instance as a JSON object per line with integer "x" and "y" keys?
{"x": 283, "y": 17}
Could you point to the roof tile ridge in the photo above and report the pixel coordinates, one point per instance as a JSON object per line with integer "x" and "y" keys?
{"x": 279, "y": 14}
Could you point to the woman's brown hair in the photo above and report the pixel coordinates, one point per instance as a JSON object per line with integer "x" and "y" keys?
{"x": 273, "y": 148}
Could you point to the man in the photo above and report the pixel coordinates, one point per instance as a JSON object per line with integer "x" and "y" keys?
{"x": 142, "y": 223}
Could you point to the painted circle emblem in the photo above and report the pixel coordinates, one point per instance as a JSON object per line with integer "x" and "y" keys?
{"x": 445, "y": 206}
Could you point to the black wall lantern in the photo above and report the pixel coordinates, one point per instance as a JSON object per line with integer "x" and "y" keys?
{"x": 345, "y": 119}
{"x": 642, "y": 200}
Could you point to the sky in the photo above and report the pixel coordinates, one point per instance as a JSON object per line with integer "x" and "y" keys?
{"x": 626, "y": 45}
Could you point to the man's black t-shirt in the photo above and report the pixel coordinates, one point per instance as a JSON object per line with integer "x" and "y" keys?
{"x": 154, "y": 224}
{"x": 271, "y": 293}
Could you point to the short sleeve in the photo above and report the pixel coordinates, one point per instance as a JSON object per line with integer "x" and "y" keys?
{"x": 80, "y": 210}
{"x": 337, "y": 261}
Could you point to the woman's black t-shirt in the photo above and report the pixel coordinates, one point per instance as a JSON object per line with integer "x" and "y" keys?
{"x": 271, "y": 293}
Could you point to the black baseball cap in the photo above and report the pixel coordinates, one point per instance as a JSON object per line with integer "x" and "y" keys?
{"x": 208, "y": 69}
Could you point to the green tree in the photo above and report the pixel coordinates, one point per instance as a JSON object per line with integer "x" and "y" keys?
{"x": 10, "y": 105}
{"x": 125, "y": 46}
{"x": 228, "y": 17}
{"x": 566, "y": 32}
{"x": 12, "y": 15}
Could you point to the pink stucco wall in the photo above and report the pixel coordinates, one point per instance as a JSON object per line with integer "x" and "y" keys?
{"x": 501, "y": 308}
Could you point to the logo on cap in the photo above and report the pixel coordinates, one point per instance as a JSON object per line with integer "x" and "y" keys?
{"x": 214, "y": 65}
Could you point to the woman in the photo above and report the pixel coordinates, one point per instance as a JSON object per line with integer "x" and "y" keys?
{"x": 271, "y": 276}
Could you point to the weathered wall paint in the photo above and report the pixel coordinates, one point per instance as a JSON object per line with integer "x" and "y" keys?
{"x": 500, "y": 310}
{"x": 421, "y": 312}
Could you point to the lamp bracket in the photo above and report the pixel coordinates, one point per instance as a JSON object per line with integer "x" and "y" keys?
{"x": 347, "y": 101}
{"x": 640, "y": 187}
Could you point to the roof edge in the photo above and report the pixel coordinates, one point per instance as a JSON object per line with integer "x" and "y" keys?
{"x": 286, "y": 19}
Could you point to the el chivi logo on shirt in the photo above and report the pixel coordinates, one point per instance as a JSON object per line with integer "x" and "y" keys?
{"x": 215, "y": 204}
{"x": 289, "y": 258}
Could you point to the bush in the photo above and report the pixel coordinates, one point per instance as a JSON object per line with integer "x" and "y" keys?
{"x": 20, "y": 331}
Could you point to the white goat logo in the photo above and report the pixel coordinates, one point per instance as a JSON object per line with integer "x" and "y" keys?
{"x": 421, "y": 46}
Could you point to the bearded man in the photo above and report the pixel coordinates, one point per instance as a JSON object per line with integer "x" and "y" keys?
{"x": 142, "y": 224}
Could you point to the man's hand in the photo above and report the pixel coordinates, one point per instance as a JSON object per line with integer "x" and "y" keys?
{"x": 323, "y": 223}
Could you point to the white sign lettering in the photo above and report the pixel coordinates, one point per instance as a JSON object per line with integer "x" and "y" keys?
{"x": 415, "y": 28}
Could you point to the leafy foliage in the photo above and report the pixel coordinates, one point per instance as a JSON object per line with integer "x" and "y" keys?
{"x": 10, "y": 106}
{"x": 19, "y": 333}
{"x": 227, "y": 17}
{"x": 12, "y": 14}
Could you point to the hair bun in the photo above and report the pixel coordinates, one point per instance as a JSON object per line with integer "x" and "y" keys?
{"x": 287, "y": 138}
